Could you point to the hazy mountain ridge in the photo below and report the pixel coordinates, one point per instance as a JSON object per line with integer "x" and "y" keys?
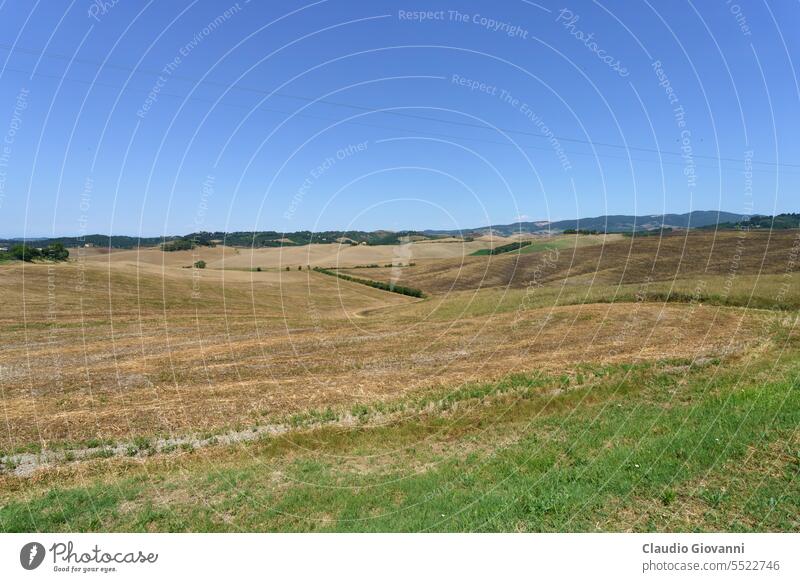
{"x": 614, "y": 223}
{"x": 609, "y": 223}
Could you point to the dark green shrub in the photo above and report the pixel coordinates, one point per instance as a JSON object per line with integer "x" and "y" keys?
{"x": 23, "y": 252}
{"x": 177, "y": 245}
{"x": 55, "y": 252}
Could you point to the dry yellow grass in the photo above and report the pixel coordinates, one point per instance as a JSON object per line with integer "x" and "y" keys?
{"x": 317, "y": 255}
{"x": 613, "y": 260}
{"x": 322, "y": 255}
{"x": 117, "y": 349}
{"x": 129, "y": 346}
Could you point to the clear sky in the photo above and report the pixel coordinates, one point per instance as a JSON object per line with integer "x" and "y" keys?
{"x": 133, "y": 117}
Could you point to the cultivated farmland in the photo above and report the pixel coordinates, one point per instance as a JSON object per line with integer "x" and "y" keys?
{"x": 579, "y": 382}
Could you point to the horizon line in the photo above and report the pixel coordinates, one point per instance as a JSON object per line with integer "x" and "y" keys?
{"x": 517, "y": 222}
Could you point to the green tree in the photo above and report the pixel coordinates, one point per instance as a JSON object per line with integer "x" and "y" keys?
{"x": 55, "y": 252}
{"x": 201, "y": 264}
{"x": 23, "y": 252}
{"x": 177, "y": 245}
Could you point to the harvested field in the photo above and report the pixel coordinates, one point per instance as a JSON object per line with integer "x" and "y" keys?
{"x": 620, "y": 261}
{"x": 357, "y": 267}
{"x": 129, "y": 357}
{"x": 320, "y": 255}
{"x": 138, "y": 354}
{"x": 273, "y": 258}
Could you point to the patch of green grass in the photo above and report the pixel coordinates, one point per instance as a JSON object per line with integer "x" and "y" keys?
{"x": 360, "y": 412}
{"x": 96, "y": 443}
{"x": 312, "y": 417}
{"x": 142, "y": 443}
{"x": 74, "y": 509}
{"x": 8, "y": 465}
{"x": 32, "y": 447}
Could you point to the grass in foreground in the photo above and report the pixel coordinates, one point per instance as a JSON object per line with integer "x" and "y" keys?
{"x": 666, "y": 446}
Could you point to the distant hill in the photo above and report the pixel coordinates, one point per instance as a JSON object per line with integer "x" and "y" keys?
{"x": 611, "y": 223}
{"x": 615, "y": 223}
{"x": 235, "y": 239}
{"x": 777, "y": 222}
{"x": 97, "y": 240}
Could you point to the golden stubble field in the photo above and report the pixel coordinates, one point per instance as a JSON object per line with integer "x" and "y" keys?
{"x": 611, "y": 260}
{"x": 132, "y": 343}
{"x": 273, "y": 258}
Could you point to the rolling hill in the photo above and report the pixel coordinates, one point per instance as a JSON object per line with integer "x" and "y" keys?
{"x": 615, "y": 223}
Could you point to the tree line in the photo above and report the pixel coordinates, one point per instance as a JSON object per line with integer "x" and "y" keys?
{"x": 402, "y": 290}
{"x": 27, "y": 253}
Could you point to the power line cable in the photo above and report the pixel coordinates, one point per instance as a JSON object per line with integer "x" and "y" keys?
{"x": 379, "y": 126}
{"x": 261, "y": 91}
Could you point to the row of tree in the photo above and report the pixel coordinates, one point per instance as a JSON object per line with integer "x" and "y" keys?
{"x": 510, "y": 247}
{"x": 580, "y": 231}
{"x": 402, "y": 290}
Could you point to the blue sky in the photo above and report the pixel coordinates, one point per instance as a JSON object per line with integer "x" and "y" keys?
{"x": 169, "y": 117}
